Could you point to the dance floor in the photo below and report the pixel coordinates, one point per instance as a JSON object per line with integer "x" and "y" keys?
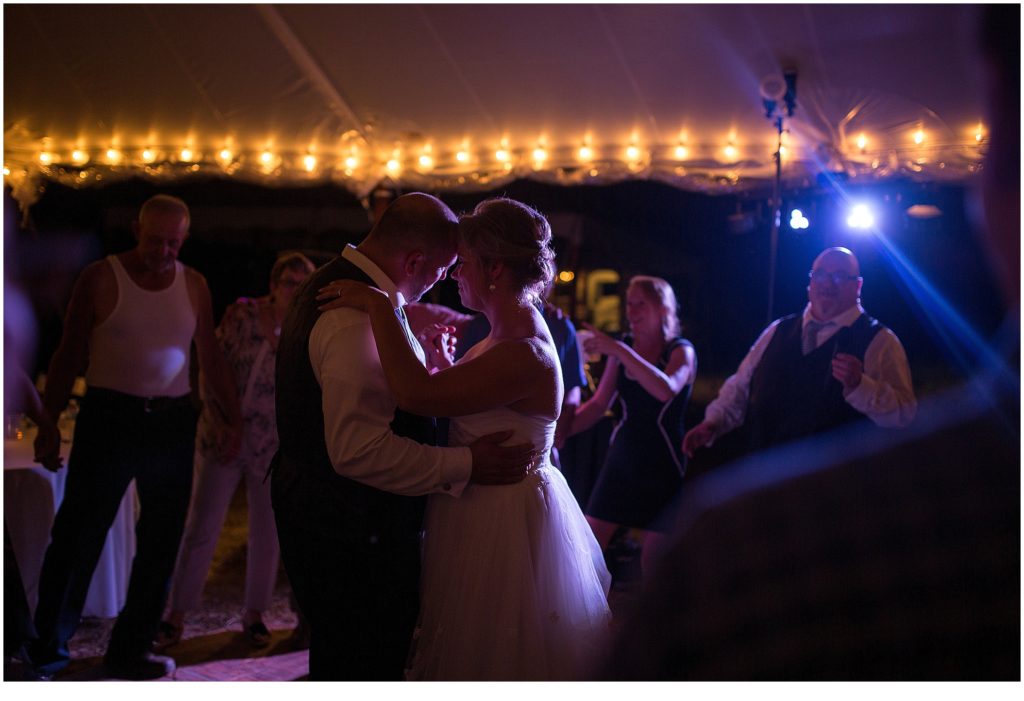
{"x": 213, "y": 647}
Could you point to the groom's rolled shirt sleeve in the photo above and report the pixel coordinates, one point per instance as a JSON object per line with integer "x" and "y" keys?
{"x": 358, "y": 409}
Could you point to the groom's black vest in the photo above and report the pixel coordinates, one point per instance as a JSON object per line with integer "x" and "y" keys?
{"x": 307, "y": 493}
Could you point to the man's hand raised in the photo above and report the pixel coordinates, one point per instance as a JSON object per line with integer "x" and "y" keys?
{"x": 496, "y": 464}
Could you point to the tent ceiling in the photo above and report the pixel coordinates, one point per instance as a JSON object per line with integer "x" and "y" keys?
{"x": 380, "y": 83}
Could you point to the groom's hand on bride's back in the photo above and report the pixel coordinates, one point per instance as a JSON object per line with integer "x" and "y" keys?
{"x": 496, "y": 464}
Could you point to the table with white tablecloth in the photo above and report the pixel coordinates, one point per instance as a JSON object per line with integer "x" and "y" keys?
{"x": 32, "y": 495}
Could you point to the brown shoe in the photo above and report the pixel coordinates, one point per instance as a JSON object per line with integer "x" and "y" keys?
{"x": 257, "y": 634}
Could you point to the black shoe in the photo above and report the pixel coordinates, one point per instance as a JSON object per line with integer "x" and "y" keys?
{"x": 145, "y": 665}
{"x": 167, "y": 634}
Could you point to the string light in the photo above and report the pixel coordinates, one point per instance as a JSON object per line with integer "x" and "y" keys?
{"x": 545, "y": 155}
{"x": 7, "y": 171}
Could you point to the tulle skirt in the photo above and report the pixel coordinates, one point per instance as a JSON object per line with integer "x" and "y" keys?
{"x": 514, "y": 585}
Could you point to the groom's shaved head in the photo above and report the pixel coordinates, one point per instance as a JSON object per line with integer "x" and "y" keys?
{"x": 416, "y": 221}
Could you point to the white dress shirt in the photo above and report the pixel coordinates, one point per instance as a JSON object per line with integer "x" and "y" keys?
{"x": 358, "y": 405}
{"x": 885, "y": 393}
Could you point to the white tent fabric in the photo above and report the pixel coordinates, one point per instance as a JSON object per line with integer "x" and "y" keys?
{"x": 471, "y": 96}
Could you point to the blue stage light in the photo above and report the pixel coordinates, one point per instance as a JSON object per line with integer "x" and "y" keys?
{"x": 860, "y": 217}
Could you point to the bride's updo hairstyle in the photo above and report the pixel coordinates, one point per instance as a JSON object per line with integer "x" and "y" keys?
{"x": 510, "y": 232}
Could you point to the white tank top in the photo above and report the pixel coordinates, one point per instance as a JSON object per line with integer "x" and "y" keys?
{"x": 143, "y": 347}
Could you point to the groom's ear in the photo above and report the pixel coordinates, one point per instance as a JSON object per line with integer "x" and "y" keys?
{"x": 414, "y": 261}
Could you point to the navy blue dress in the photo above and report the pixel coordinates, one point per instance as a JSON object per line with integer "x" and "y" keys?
{"x": 644, "y": 468}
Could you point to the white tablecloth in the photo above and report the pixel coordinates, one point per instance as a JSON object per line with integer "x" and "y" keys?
{"x": 32, "y": 495}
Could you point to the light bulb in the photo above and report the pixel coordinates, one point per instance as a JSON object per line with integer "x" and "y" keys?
{"x": 682, "y": 152}
{"x": 862, "y": 142}
{"x": 79, "y": 156}
{"x": 226, "y": 155}
{"x": 351, "y": 162}
{"x": 501, "y": 154}
{"x": 393, "y": 165}
{"x": 426, "y": 162}
{"x": 113, "y": 155}
{"x": 586, "y": 153}
{"x": 148, "y": 156}
{"x": 267, "y": 158}
{"x": 633, "y": 153}
{"x": 919, "y": 136}
{"x": 462, "y": 157}
{"x": 539, "y": 155}
{"x": 730, "y": 151}
{"x": 186, "y": 154}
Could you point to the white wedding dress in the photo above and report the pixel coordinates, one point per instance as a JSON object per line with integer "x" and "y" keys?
{"x": 514, "y": 584}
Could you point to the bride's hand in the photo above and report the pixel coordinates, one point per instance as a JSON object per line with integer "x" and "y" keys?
{"x": 351, "y": 294}
{"x": 438, "y": 341}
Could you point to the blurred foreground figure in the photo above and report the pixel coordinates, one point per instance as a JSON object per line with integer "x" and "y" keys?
{"x": 855, "y": 554}
{"x": 130, "y": 324}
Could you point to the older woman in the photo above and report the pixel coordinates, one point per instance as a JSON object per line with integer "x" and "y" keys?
{"x": 248, "y": 335}
{"x": 651, "y": 372}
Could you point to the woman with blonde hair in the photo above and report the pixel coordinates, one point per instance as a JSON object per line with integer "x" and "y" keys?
{"x": 651, "y": 373}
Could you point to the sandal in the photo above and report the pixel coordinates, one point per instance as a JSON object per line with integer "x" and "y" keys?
{"x": 257, "y": 634}
{"x": 167, "y": 634}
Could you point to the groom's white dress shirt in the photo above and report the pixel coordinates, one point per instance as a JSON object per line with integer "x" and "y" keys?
{"x": 358, "y": 405}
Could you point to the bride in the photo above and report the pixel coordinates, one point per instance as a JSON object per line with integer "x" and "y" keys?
{"x": 514, "y": 586}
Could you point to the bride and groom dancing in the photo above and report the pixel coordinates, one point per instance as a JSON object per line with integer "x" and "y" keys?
{"x": 513, "y": 584}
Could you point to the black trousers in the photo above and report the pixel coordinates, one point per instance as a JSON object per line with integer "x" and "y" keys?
{"x": 116, "y": 440}
{"x": 361, "y": 600}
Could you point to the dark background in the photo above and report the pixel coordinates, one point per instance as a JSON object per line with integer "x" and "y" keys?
{"x": 713, "y": 249}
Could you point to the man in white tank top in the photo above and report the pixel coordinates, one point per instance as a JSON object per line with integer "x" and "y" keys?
{"x": 130, "y": 326}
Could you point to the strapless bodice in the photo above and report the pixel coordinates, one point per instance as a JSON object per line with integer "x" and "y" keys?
{"x": 528, "y": 429}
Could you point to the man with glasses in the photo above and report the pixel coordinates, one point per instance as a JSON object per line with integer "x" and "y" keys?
{"x": 814, "y": 371}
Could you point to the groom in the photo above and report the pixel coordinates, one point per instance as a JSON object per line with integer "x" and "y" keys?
{"x": 352, "y": 469}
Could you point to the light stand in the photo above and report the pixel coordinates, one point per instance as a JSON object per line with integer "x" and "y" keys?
{"x": 771, "y": 91}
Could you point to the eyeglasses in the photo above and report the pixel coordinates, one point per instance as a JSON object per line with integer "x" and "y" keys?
{"x": 821, "y": 277}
